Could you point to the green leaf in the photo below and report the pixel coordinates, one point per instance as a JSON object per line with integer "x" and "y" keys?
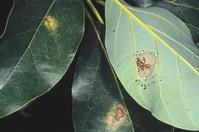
{"x": 187, "y": 11}
{"x": 156, "y": 60}
{"x": 36, "y": 49}
{"x": 142, "y": 118}
{"x": 97, "y": 102}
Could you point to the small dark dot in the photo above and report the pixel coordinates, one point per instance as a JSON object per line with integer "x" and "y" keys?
{"x": 143, "y": 50}
{"x": 141, "y": 85}
{"x": 118, "y": 65}
{"x": 113, "y": 30}
{"x": 136, "y": 51}
{"x": 136, "y": 80}
{"x": 144, "y": 88}
{"x": 153, "y": 81}
{"x": 145, "y": 79}
{"x": 160, "y": 80}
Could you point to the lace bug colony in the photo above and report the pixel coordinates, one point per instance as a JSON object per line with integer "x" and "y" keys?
{"x": 146, "y": 63}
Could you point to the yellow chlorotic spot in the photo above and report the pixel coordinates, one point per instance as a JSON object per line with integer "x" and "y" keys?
{"x": 116, "y": 116}
{"x": 51, "y": 23}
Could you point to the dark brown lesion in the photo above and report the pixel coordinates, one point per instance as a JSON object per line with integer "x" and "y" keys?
{"x": 145, "y": 63}
{"x": 141, "y": 64}
{"x": 120, "y": 112}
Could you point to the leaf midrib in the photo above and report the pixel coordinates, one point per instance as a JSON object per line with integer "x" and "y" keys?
{"x": 163, "y": 18}
{"x": 166, "y": 35}
{"x": 30, "y": 43}
{"x": 161, "y": 94}
{"x": 154, "y": 34}
{"x": 171, "y": 38}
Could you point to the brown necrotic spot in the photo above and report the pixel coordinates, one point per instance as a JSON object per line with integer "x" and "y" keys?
{"x": 116, "y": 116}
{"x": 146, "y": 63}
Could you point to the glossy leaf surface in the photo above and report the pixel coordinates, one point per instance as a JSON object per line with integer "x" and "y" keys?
{"x": 36, "y": 49}
{"x": 97, "y": 102}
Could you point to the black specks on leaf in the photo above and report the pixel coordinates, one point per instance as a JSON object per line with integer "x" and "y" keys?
{"x": 146, "y": 63}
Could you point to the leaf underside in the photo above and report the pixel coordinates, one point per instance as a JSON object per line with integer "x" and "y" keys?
{"x": 187, "y": 11}
{"x": 166, "y": 84}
